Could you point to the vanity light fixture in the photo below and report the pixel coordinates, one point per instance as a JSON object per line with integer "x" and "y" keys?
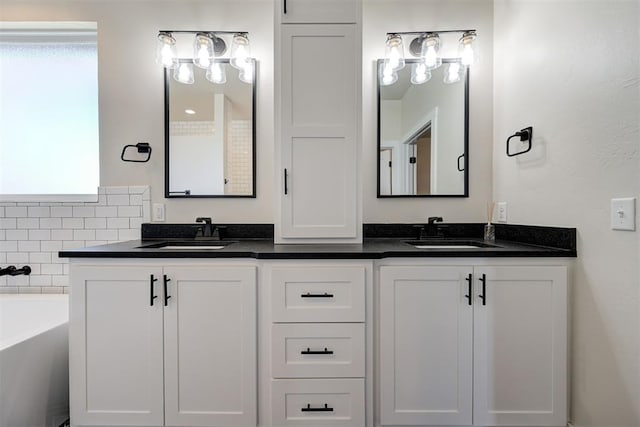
{"x": 426, "y": 46}
{"x": 207, "y": 47}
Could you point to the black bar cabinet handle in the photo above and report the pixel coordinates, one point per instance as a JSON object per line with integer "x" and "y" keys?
{"x": 483, "y": 296}
{"x": 326, "y": 408}
{"x": 310, "y": 295}
{"x": 285, "y": 6}
{"x": 309, "y": 351}
{"x": 469, "y": 280}
{"x": 152, "y": 280}
{"x": 165, "y": 282}
{"x": 286, "y": 189}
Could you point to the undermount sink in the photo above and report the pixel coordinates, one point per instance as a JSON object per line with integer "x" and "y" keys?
{"x": 448, "y": 244}
{"x": 189, "y": 246}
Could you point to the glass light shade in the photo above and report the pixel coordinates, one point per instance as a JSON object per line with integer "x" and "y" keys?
{"x": 240, "y": 51}
{"x": 467, "y": 51}
{"x": 166, "y": 52}
{"x": 246, "y": 74}
{"x": 453, "y": 73}
{"x": 419, "y": 73}
{"x": 394, "y": 52}
{"x": 431, "y": 51}
{"x": 388, "y": 75}
{"x": 216, "y": 74}
{"x": 203, "y": 50}
{"x": 184, "y": 73}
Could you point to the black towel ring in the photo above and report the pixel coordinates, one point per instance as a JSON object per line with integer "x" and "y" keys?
{"x": 142, "y": 147}
{"x": 525, "y": 135}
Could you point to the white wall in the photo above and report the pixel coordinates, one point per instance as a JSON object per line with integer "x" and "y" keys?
{"x": 382, "y": 16}
{"x": 132, "y": 89}
{"x": 571, "y": 70}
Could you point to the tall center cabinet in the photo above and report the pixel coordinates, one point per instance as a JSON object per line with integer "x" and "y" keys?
{"x": 318, "y": 99}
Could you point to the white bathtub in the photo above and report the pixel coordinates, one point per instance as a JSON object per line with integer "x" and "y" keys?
{"x": 34, "y": 360}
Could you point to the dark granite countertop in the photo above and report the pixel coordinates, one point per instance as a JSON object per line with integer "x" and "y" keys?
{"x": 512, "y": 241}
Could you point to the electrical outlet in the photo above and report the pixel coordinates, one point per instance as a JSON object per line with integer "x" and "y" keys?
{"x": 501, "y": 212}
{"x": 158, "y": 212}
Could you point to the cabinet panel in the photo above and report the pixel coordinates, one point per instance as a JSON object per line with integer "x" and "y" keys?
{"x": 318, "y": 294}
{"x": 294, "y": 402}
{"x": 319, "y": 99}
{"x": 318, "y": 11}
{"x": 520, "y": 346}
{"x": 308, "y": 350}
{"x": 425, "y": 346}
{"x": 116, "y": 347}
{"x": 210, "y": 348}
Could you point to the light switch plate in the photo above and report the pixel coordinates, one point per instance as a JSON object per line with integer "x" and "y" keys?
{"x": 623, "y": 214}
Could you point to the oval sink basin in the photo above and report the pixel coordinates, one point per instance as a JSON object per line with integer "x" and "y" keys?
{"x": 448, "y": 244}
{"x": 188, "y": 246}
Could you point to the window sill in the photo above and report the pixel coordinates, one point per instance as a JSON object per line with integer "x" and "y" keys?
{"x": 25, "y": 198}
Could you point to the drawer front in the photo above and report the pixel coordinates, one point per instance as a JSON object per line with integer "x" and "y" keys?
{"x": 318, "y": 402}
{"x": 318, "y": 294}
{"x": 320, "y": 350}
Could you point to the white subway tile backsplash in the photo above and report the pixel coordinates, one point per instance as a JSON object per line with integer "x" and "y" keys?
{"x": 28, "y": 223}
{"x": 28, "y": 246}
{"x": 72, "y": 223}
{"x": 50, "y": 222}
{"x": 33, "y": 234}
{"x": 7, "y": 223}
{"x": 39, "y": 234}
{"x": 39, "y": 211}
{"x": 15, "y": 212}
{"x": 17, "y": 235}
{"x": 84, "y": 234}
{"x": 95, "y": 223}
{"x": 62, "y": 234}
{"x": 84, "y": 211}
{"x": 118, "y": 199}
{"x": 60, "y": 212}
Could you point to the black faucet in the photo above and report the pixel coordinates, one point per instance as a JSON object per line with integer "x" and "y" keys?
{"x": 431, "y": 229}
{"x": 207, "y": 230}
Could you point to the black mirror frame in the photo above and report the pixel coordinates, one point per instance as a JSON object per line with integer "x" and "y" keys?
{"x": 167, "y": 193}
{"x": 465, "y": 154}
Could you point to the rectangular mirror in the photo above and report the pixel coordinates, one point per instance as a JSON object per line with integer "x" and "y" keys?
{"x": 210, "y": 134}
{"x": 423, "y": 134}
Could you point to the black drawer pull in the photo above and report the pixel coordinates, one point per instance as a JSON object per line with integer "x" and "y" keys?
{"x": 310, "y": 295}
{"x": 166, "y": 281}
{"x": 469, "y": 280}
{"x": 151, "y": 295}
{"x": 483, "y": 296}
{"x": 310, "y": 409}
{"x": 309, "y": 351}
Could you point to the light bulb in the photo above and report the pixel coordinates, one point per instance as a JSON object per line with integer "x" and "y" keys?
{"x": 394, "y": 52}
{"x": 240, "y": 51}
{"x": 203, "y": 50}
{"x": 388, "y": 75}
{"x": 453, "y": 73}
{"x": 216, "y": 74}
{"x": 419, "y": 73}
{"x": 468, "y": 55}
{"x": 431, "y": 51}
{"x": 166, "y": 53}
{"x": 184, "y": 73}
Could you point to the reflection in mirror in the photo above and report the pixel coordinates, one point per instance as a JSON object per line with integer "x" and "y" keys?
{"x": 423, "y": 135}
{"x": 210, "y": 135}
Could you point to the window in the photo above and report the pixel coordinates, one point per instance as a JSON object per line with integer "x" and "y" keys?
{"x": 49, "y": 147}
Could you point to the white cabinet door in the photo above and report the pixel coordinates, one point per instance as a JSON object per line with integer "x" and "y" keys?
{"x": 210, "y": 346}
{"x": 319, "y": 127}
{"x": 115, "y": 352}
{"x": 520, "y": 351}
{"x": 425, "y": 346}
{"x": 318, "y": 11}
